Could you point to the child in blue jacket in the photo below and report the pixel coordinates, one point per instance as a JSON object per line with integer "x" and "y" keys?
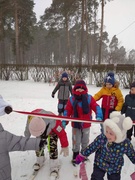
{"x": 109, "y": 148}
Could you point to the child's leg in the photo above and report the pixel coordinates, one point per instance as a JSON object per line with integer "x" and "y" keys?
{"x": 76, "y": 142}
{"x": 98, "y": 174}
{"x": 53, "y": 149}
{"x": 115, "y": 176}
{"x": 60, "y": 107}
{"x": 40, "y": 160}
{"x": 129, "y": 133}
{"x": 85, "y": 137}
{"x": 53, "y": 152}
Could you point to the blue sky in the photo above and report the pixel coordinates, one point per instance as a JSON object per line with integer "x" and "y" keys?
{"x": 119, "y": 19}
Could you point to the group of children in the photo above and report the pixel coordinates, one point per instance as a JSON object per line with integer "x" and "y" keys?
{"x": 81, "y": 104}
{"x": 109, "y": 146}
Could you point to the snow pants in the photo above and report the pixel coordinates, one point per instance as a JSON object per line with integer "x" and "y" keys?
{"x": 52, "y": 147}
{"x": 98, "y": 174}
{"x": 80, "y": 138}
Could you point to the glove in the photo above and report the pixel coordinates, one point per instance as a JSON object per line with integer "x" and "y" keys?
{"x": 8, "y": 109}
{"x": 52, "y": 95}
{"x": 65, "y": 151}
{"x": 99, "y": 119}
{"x": 82, "y": 172}
{"x": 42, "y": 143}
{"x": 79, "y": 158}
{"x": 132, "y": 176}
{"x": 64, "y": 124}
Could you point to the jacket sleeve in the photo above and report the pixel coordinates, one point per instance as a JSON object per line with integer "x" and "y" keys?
{"x": 3, "y": 104}
{"x": 58, "y": 129}
{"x": 68, "y": 112}
{"x": 120, "y": 100}
{"x": 93, "y": 147}
{"x": 20, "y": 143}
{"x": 56, "y": 88}
{"x": 131, "y": 153}
{"x": 98, "y": 95}
{"x": 96, "y": 108}
{"x": 70, "y": 88}
{"x": 27, "y": 132}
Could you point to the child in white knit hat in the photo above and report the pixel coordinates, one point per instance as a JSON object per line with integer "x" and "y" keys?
{"x": 109, "y": 148}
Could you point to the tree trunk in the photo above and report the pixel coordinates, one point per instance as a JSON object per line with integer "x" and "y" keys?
{"x": 16, "y": 34}
{"x": 101, "y": 33}
{"x": 82, "y": 39}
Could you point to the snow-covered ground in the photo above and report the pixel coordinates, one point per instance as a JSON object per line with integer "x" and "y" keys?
{"x": 27, "y": 96}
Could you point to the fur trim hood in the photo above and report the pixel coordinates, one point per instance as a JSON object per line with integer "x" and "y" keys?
{"x": 119, "y": 124}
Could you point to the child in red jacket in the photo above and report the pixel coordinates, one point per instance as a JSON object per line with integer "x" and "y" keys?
{"x": 80, "y": 105}
{"x": 51, "y": 130}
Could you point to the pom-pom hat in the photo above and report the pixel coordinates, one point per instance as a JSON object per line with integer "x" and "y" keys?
{"x": 119, "y": 124}
{"x": 64, "y": 75}
{"x": 110, "y": 78}
{"x": 80, "y": 84}
{"x": 37, "y": 126}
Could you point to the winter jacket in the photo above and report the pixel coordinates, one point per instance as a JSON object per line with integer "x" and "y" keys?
{"x": 10, "y": 142}
{"x": 109, "y": 157}
{"x": 129, "y": 106}
{"x": 54, "y": 127}
{"x": 112, "y": 99}
{"x": 65, "y": 88}
{"x": 69, "y": 110}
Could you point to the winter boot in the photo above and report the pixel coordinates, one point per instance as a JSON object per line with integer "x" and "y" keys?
{"x": 74, "y": 156}
{"x": 54, "y": 167}
{"x": 39, "y": 163}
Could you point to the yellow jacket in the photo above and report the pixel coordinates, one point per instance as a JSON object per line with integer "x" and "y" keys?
{"x": 106, "y": 93}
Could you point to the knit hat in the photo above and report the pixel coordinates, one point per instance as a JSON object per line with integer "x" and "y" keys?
{"x": 37, "y": 126}
{"x": 80, "y": 84}
{"x": 132, "y": 85}
{"x": 64, "y": 75}
{"x": 110, "y": 78}
{"x": 119, "y": 124}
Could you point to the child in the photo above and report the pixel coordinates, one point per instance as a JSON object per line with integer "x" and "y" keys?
{"x": 112, "y": 98}
{"x": 129, "y": 108}
{"x": 80, "y": 105}
{"x": 10, "y": 142}
{"x": 109, "y": 148}
{"x": 65, "y": 88}
{"x": 51, "y": 129}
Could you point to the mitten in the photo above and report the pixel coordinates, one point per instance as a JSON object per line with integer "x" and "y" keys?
{"x": 132, "y": 176}
{"x": 52, "y": 95}
{"x": 98, "y": 119}
{"x": 8, "y": 109}
{"x": 79, "y": 158}
{"x": 65, "y": 151}
{"x": 64, "y": 124}
{"x": 82, "y": 172}
{"x": 42, "y": 143}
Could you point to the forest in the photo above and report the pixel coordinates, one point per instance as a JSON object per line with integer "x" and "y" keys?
{"x": 69, "y": 32}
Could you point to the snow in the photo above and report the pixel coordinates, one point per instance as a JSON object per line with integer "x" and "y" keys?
{"x": 27, "y": 96}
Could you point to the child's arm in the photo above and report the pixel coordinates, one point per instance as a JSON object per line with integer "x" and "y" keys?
{"x": 98, "y": 95}
{"x": 3, "y": 105}
{"x": 91, "y": 148}
{"x": 120, "y": 100}
{"x": 130, "y": 152}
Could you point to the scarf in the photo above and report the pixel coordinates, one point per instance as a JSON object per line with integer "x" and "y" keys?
{"x": 85, "y": 108}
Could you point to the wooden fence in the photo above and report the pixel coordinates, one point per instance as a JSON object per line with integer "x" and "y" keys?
{"x": 124, "y": 73}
